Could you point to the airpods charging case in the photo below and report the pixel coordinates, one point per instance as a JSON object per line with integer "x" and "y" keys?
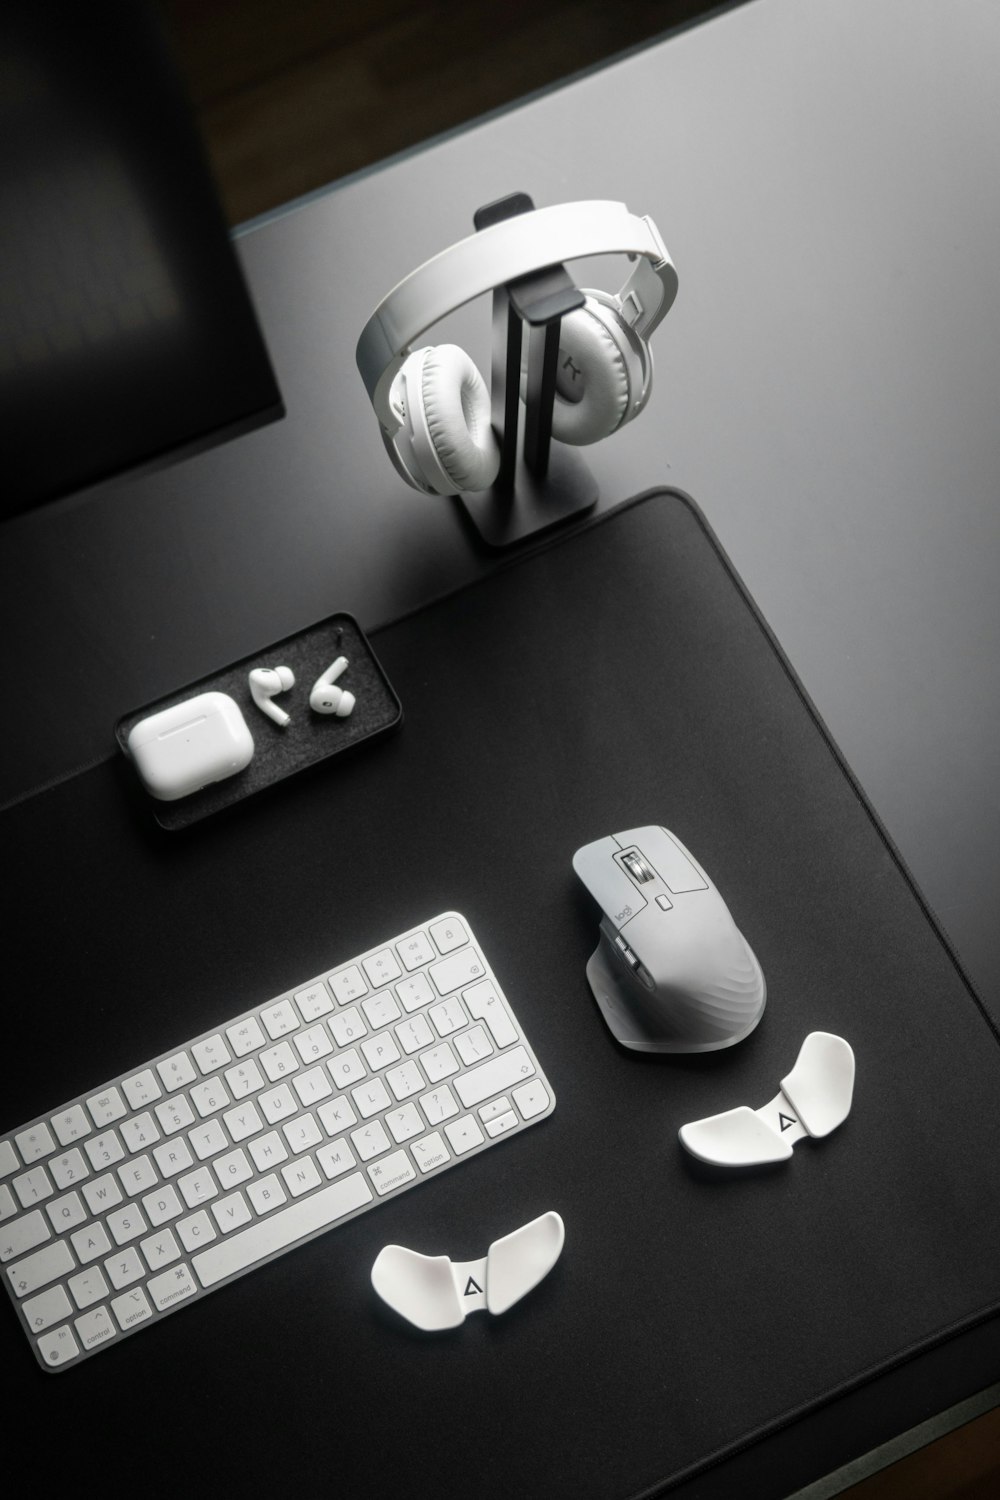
{"x": 183, "y": 748}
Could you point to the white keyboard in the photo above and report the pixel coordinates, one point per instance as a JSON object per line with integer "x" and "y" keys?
{"x": 152, "y": 1190}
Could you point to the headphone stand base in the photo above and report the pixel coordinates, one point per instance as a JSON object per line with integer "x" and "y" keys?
{"x": 504, "y": 517}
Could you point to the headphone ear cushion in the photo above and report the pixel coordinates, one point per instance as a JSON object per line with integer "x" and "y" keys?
{"x": 457, "y": 412}
{"x": 593, "y": 387}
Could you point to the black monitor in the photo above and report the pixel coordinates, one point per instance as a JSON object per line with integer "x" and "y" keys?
{"x": 126, "y": 329}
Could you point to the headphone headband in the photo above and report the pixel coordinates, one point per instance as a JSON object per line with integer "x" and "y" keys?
{"x": 501, "y": 253}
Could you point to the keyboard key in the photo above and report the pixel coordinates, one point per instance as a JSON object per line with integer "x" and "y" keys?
{"x": 87, "y": 1287}
{"x": 405, "y": 1080}
{"x": 8, "y": 1159}
{"x": 313, "y": 1044}
{"x": 449, "y": 1016}
{"x": 370, "y": 1141}
{"x": 211, "y": 1054}
{"x": 300, "y": 1177}
{"x": 473, "y": 1045}
{"x": 348, "y": 985}
{"x": 23, "y": 1234}
{"x": 381, "y": 968}
{"x": 439, "y": 1062}
{"x": 66, "y": 1212}
{"x": 35, "y": 1143}
{"x": 278, "y": 1104}
{"x": 532, "y": 1099}
{"x": 452, "y": 973}
{"x": 414, "y": 1034}
{"x": 347, "y": 1068}
{"x": 335, "y": 1158}
{"x": 313, "y": 1086}
{"x": 414, "y": 992}
{"x": 105, "y": 1108}
{"x": 347, "y": 1027}
{"x": 501, "y": 1124}
{"x": 464, "y": 1134}
{"x": 439, "y": 1105}
{"x": 89, "y": 1243}
{"x": 279, "y": 1019}
{"x": 33, "y": 1187}
{"x": 196, "y": 1231}
{"x": 174, "y": 1114}
{"x": 72, "y": 1125}
{"x": 171, "y": 1287}
{"x": 431, "y": 1152}
{"x": 209, "y": 1097}
{"x": 415, "y": 950}
{"x": 176, "y": 1072}
{"x": 494, "y": 1077}
{"x": 141, "y": 1089}
{"x": 124, "y": 1268}
{"x": 381, "y": 1010}
{"x": 242, "y": 1122}
{"x": 126, "y": 1224}
{"x": 138, "y": 1175}
{"x": 232, "y": 1169}
{"x": 198, "y": 1187}
{"x": 104, "y": 1150}
{"x": 231, "y": 1213}
{"x": 8, "y": 1208}
{"x": 130, "y": 1308}
{"x": 448, "y": 934}
{"x": 336, "y": 1116}
{"x": 208, "y": 1140}
{"x": 95, "y": 1328}
{"x": 37, "y": 1270}
{"x": 380, "y": 1051}
{"x": 47, "y": 1308}
{"x": 370, "y": 1098}
{"x": 267, "y": 1194}
{"x": 139, "y": 1133}
{"x": 302, "y": 1133}
{"x": 101, "y": 1194}
{"x": 392, "y": 1172}
{"x": 245, "y": 1036}
{"x": 160, "y": 1249}
{"x": 161, "y": 1207}
{"x": 278, "y": 1062}
{"x": 485, "y": 1005}
{"x": 268, "y": 1151}
{"x": 314, "y": 1002}
{"x": 246, "y": 1078}
{"x": 58, "y": 1347}
{"x": 172, "y": 1157}
{"x": 404, "y": 1123}
{"x": 281, "y": 1230}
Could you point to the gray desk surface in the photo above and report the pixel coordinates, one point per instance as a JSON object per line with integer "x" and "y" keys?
{"x": 827, "y": 388}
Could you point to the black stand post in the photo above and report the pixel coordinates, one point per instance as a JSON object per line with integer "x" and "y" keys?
{"x": 548, "y": 482}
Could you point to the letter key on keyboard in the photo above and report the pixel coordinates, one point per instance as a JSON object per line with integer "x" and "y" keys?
{"x": 145, "y": 1194}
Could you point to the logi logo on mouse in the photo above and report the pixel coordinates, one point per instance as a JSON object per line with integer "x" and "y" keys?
{"x": 620, "y": 916}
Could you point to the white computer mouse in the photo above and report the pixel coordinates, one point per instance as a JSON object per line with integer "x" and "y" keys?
{"x": 672, "y": 972}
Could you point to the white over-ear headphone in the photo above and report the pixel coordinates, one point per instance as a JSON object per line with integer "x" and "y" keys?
{"x": 432, "y": 403}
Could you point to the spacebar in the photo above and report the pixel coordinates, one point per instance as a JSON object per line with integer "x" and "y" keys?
{"x": 282, "y": 1229}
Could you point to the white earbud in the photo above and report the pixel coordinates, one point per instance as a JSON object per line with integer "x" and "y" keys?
{"x": 264, "y": 683}
{"x": 327, "y": 699}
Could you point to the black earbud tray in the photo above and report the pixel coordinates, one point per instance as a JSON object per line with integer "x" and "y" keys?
{"x": 308, "y": 739}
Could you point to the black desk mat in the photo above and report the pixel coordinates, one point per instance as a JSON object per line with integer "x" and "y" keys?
{"x": 615, "y": 677}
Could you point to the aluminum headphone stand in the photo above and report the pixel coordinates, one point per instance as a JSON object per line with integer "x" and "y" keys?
{"x": 547, "y": 482}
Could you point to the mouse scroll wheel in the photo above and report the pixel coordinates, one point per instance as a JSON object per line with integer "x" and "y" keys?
{"x": 638, "y": 868}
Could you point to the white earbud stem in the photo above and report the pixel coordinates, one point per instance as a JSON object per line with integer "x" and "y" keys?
{"x": 265, "y": 682}
{"x": 325, "y": 698}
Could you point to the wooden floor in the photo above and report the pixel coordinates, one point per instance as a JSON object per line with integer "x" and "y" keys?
{"x": 292, "y": 94}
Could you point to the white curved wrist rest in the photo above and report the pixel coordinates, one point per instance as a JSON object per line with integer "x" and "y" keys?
{"x": 436, "y": 1293}
{"x": 814, "y": 1099}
